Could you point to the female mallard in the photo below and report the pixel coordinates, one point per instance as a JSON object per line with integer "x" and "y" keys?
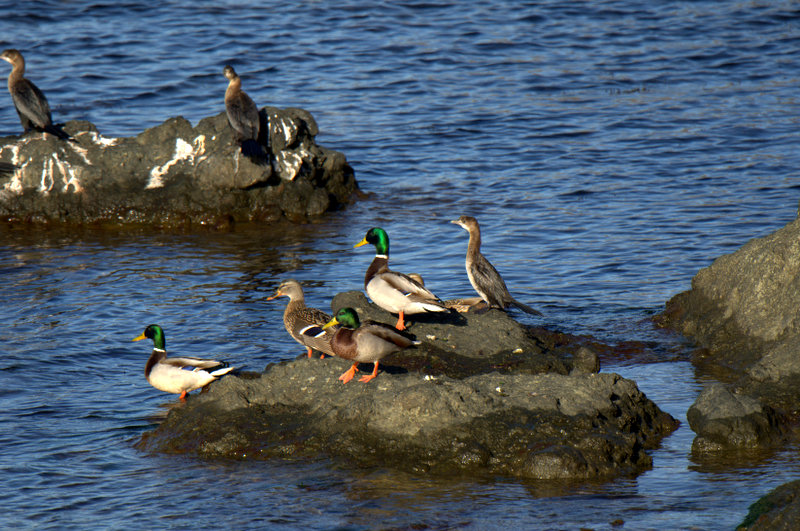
{"x": 168, "y": 374}
{"x": 482, "y": 274}
{"x": 304, "y": 324}
{"x": 367, "y": 342}
{"x": 392, "y": 291}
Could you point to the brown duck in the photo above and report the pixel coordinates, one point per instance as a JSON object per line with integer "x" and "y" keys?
{"x": 304, "y": 324}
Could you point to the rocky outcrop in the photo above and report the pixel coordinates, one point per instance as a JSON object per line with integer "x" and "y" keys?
{"x": 481, "y": 395}
{"x": 743, "y": 311}
{"x": 780, "y": 509}
{"x": 174, "y": 174}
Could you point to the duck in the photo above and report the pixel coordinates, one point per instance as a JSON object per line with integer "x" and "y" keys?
{"x": 482, "y": 274}
{"x": 170, "y": 374}
{"x": 393, "y": 291}
{"x": 304, "y": 324}
{"x": 30, "y": 102}
{"x": 462, "y": 305}
{"x": 242, "y": 115}
{"x": 367, "y": 342}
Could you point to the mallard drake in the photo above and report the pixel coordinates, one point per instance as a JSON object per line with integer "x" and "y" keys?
{"x": 169, "y": 374}
{"x": 462, "y": 305}
{"x": 304, "y": 324}
{"x": 482, "y": 274}
{"x": 367, "y": 342}
{"x": 393, "y": 291}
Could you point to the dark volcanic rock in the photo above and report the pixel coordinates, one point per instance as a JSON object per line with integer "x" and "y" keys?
{"x": 173, "y": 174}
{"x": 520, "y": 419}
{"x": 780, "y": 509}
{"x": 722, "y": 419}
{"x": 743, "y": 311}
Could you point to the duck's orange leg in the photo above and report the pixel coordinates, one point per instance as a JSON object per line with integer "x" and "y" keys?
{"x": 369, "y": 377}
{"x": 183, "y": 396}
{"x": 348, "y": 375}
{"x": 309, "y": 351}
{"x": 401, "y": 325}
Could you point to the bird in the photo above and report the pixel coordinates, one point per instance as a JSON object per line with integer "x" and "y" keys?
{"x": 242, "y": 116}
{"x": 367, "y": 342}
{"x": 171, "y": 374}
{"x": 482, "y": 274}
{"x": 30, "y": 102}
{"x": 393, "y": 291}
{"x": 461, "y": 305}
{"x": 304, "y": 324}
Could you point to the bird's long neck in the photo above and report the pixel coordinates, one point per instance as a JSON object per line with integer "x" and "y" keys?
{"x": 17, "y": 72}
{"x": 234, "y": 87}
{"x": 474, "y": 245}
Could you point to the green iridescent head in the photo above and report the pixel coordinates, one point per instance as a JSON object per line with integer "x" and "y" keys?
{"x": 155, "y": 333}
{"x": 347, "y": 317}
{"x": 377, "y": 237}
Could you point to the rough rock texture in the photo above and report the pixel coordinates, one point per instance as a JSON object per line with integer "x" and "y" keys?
{"x": 743, "y": 311}
{"x": 174, "y": 173}
{"x": 722, "y": 419}
{"x": 780, "y": 509}
{"x": 433, "y": 409}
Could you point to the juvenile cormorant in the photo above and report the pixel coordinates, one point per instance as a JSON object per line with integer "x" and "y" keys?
{"x": 31, "y": 105}
{"x": 482, "y": 274}
{"x": 242, "y": 115}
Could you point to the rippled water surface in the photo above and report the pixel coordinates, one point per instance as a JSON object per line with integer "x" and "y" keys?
{"x": 609, "y": 150}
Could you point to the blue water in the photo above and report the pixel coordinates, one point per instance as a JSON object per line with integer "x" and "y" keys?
{"x": 609, "y": 150}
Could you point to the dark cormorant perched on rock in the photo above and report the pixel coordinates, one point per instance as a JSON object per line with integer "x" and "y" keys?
{"x": 32, "y": 106}
{"x": 482, "y": 274}
{"x": 242, "y": 115}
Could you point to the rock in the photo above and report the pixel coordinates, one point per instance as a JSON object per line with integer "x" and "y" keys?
{"x": 780, "y": 509}
{"x": 530, "y": 419}
{"x": 742, "y": 312}
{"x": 722, "y": 419}
{"x": 173, "y": 174}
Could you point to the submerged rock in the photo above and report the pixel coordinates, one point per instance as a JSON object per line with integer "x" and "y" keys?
{"x": 780, "y": 509}
{"x": 742, "y": 310}
{"x": 462, "y": 413}
{"x": 173, "y": 174}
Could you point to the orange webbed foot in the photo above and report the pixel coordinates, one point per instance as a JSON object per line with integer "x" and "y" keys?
{"x": 348, "y": 375}
{"x": 401, "y": 325}
{"x": 368, "y": 377}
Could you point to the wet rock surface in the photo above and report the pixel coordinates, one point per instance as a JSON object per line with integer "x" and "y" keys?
{"x": 481, "y": 395}
{"x": 174, "y": 174}
{"x": 742, "y": 311}
{"x": 780, "y": 509}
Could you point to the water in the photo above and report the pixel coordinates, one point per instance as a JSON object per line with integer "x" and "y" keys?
{"x": 609, "y": 150}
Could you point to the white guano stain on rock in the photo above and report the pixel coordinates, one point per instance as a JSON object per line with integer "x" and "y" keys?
{"x": 69, "y": 175}
{"x": 15, "y": 184}
{"x": 183, "y": 152}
